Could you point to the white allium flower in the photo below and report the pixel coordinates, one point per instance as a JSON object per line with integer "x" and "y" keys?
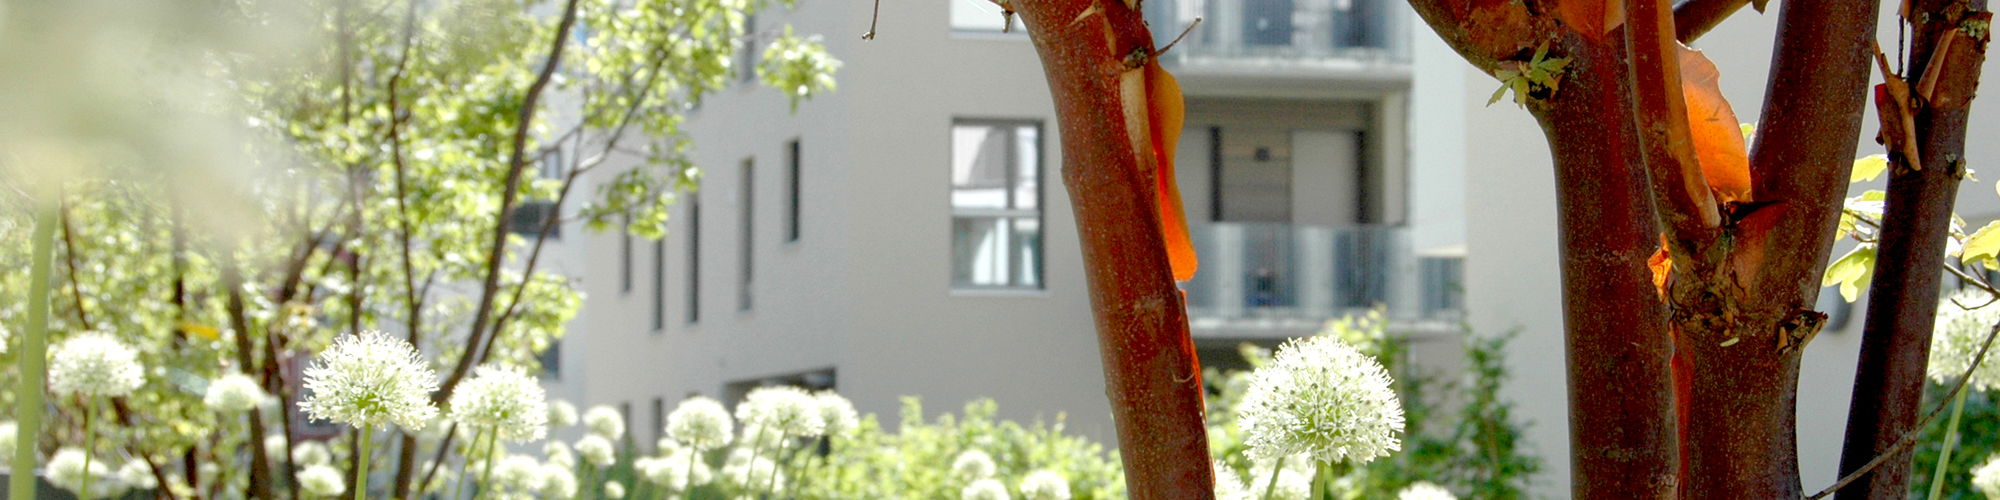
{"x": 786, "y": 409}
{"x": 836, "y": 412}
{"x": 6, "y": 338}
{"x": 559, "y": 453}
{"x": 597, "y": 450}
{"x": 1425, "y": 490}
{"x": 321, "y": 480}
{"x": 561, "y": 414}
{"x": 136, "y": 475}
{"x": 973, "y": 465}
{"x": 94, "y": 364}
{"x": 754, "y": 473}
{"x": 233, "y": 393}
{"x": 1229, "y": 485}
{"x": 8, "y": 429}
{"x": 312, "y": 453}
{"x": 700, "y": 423}
{"x": 558, "y": 483}
{"x": 368, "y": 379}
{"x": 760, "y": 437}
{"x": 274, "y": 446}
{"x": 503, "y": 400}
{"x": 1986, "y": 477}
{"x": 672, "y": 471}
{"x": 614, "y": 490}
{"x": 666, "y": 445}
{"x": 1959, "y": 335}
{"x": 519, "y": 473}
{"x": 984, "y": 489}
{"x": 1045, "y": 484}
{"x": 66, "y": 469}
{"x": 1292, "y": 485}
{"x": 1322, "y": 397}
{"x": 604, "y": 421}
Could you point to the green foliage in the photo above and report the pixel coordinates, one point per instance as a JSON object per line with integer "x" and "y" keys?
{"x": 1978, "y": 439}
{"x": 1538, "y": 77}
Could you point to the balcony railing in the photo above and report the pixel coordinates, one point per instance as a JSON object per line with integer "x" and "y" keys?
{"x": 1283, "y": 31}
{"x": 1282, "y": 274}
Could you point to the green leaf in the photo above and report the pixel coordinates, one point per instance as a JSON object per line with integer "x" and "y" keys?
{"x": 1982, "y": 245}
{"x": 1498, "y": 94}
{"x": 1868, "y": 168}
{"x": 1851, "y": 272}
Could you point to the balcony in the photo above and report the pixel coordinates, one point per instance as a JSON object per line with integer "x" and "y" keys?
{"x": 1355, "y": 37}
{"x": 1264, "y": 280}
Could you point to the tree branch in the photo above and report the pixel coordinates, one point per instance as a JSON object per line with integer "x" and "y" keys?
{"x": 1693, "y": 18}
{"x": 1684, "y": 205}
{"x": 260, "y": 465}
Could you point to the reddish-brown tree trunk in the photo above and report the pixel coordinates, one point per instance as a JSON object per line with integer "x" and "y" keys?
{"x": 1153, "y": 382}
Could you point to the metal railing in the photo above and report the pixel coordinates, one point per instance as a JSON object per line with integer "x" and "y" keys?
{"x": 1283, "y": 30}
{"x": 1290, "y": 273}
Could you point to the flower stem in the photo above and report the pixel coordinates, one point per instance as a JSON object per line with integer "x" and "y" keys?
{"x": 1272, "y": 485}
{"x": 361, "y": 471}
{"x": 687, "y": 483}
{"x": 33, "y": 357}
{"x": 771, "y": 485}
{"x": 1950, "y": 438}
{"x": 486, "y": 473}
{"x": 89, "y": 442}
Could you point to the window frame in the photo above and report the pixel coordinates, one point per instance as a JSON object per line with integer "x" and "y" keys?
{"x": 1012, "y": 176}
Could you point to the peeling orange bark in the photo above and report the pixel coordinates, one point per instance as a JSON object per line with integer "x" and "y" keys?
{"x": 1168, "y": 111}
{"x": 1717, "y": 136}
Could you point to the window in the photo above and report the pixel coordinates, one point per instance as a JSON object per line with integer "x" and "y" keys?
{"x": 659, "y": 285}
{"x": 792, "y": 190}
{"x": 551, "y": 360}
{"x": 979, "y": 16}
{"x": 746, "y": 61}
{"x": 694, "y": 258}
{"x": 747, "y": 240}
{"x": 659, "y": 420}
{"x": 625, "y": 414}
{"x": 996, "y": 214}
{"x": 531, "y": 216}
{"x": 625, "y": 256}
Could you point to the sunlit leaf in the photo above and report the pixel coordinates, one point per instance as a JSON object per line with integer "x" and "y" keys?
{"x": 1983, "y": 245}
{"x": 1851, "y": 272}
{"x": 1168, "y": 110}
{"x": 1868, "y": 168}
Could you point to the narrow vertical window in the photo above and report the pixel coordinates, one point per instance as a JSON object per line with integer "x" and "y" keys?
{"x": 659, "y": 285}
{"x": 746, "y": 61}
{"x": 659, "y": 419}
{"x": 996, "y": 226}
{"x": 746, "y": 244}
{"x": 625, "y": 256}
{"x": 694, "y": 259}
{"x": 792, "y": 202}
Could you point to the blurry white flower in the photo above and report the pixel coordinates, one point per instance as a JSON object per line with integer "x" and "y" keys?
{"x": 1322, "y": 397}
{"x": 561, "y": 414}
{"x": 1986, "y": 477}
{"x": 1959, "y": 335}
{"x": 984, "y": 489}
{"x": 519, "y": 473}
{"x": 672, "y": 471}
{"x": 233, "y": 393}
{"x": 1045, "y": 484}
{"x": 8, "y": 429}
{"x": 559, "y": 453}
{"x": 785, "y": 409}
{"x": 760, "y": 437}
{"x": 836, "y": 412}
{"x": 66, "y": 469}
{"x": 973, "y": 465}
{"x": 1229, "y": 485}
{"x": 666, "y": 445}
{"x": 94, "y": 364}
{"x": 754, "y": 474}
{"x": 558, "y": 483}
{"x": 1424, "y": 490}
{"x": 1292, "y": 485}
{"x": 6, "y": 338}
{"x": 700, "y": 423}
{"x": 596, "y": 450}
{"x": 136, "y": 475}
{"x": 604, "y": 421}
{"x": 502, "y": 400}
{"x": 368, "y": 379}
{"x": 321, "y": 480}
{"x": 614, "y": 490}
{"x": 312, "y": 453}
{"x": 274, "y": 446}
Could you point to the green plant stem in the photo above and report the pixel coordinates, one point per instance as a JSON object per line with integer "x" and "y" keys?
{"x": 687, "y": 484}
{"x": 771, "y": 484}
{"x": 89, "y": 447}
{"x": 361, "y": 471}
{"x": 1950, "y": 438}
{"x": 33, "y": 357}
{"x": 486, "y": 473}
{"x": 1272, "y": 485}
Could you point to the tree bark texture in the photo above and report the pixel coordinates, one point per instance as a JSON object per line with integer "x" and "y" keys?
{"x": 1087, "y": 48}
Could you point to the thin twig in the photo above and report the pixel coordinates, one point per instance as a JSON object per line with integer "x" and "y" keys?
{"x": 1177, "y": 39}
{"x": 877, "y": 15}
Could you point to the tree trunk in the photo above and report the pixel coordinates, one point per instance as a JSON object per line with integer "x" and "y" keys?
{"x": 1150, "y": 372}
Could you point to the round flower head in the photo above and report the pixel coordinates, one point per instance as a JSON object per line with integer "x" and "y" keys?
{"x": 1958, "y": 337}
{"x": 1986, "y": 477}
{"x": 984, "y": 489}
{"x": 973, "y": 465}
{"x": 6, "y": 337}
{"x": 94, "y": 364}
{"x": 836, "y": 412}
{"x": 1228, "y": 484}
{"x": 604, "y": 421}
{"x": 559, "y": 453}
{"x": 1044, "y": 484}
{"x": 673, "y": 471}
{"x": 232, "y": 393}
{"x": 1424, "y": 490}
{"x": 754, "y": 473}
{"x": 519, "y": 473}
{"x": 505, "y": 401}
{"x": 369, "y": 379}
{"x": 312, "y": 453}
{"x": 700, "y": 423}
{"x": 321, "y": 480}
{"x": 136, "y": 475}
{"x": 784, "y": 409}
{"x": 614, "y": 490}
{"x": 274, "y": 445}
{"x": 558, "y": 483}
{"x": 1321, "y": 397}
{"x": 760, "y": 437}
{"x": 596, "y": 450}
{"x": 66, "y": 469}
{"x": 666, "y": 445}
{"x": 561, "y": 414}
